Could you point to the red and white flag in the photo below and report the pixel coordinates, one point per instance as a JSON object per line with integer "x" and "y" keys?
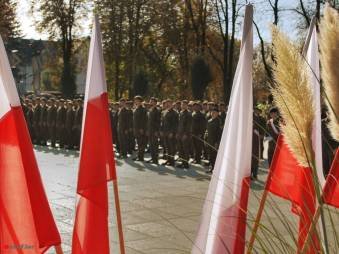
{"x": 26, "y": 220}
{"x": 97, "y": 167}
{"x": 331, "y": 189}
{"x": 287, "y": 178}
{"x": 223, "y": 223}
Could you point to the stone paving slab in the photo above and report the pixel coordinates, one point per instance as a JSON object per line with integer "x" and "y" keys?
{"x": 161, "y": 206}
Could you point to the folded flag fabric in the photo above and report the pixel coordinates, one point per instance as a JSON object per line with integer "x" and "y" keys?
{"x": 26, "y": 221}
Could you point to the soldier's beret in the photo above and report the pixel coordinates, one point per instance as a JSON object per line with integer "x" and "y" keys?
{"x": 185, "y": 101}
{"x": 196, "y": 103}
{"x": 138, "y": 97}
{"x": 61, "y": 100}
{"x": 122, "y": 100}
{"x": 154, "y": 99}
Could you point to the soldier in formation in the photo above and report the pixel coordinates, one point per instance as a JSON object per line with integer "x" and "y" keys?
{"x": 53, "y": 121}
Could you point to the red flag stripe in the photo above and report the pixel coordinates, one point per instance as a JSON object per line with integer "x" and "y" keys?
{"x": 331, "y": 188}
{"x": 21, "y": 189}
{"x": 288, "y": 180}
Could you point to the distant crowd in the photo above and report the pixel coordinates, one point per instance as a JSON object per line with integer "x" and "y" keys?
{"x": 182, "y": 132}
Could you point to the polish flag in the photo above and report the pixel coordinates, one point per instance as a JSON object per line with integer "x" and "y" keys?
{"x": 223, "y": 223}
{"x": 26, "y": 220}
{"x": 331, "y": 189}
{"x": 290, "y": 181}
{"x": 97, "y": 167}
{"x": 287, "y": 178}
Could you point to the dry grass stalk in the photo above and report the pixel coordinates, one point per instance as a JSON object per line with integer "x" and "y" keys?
{"x": 329, "y": 55}
{"x": 293, "y": 97}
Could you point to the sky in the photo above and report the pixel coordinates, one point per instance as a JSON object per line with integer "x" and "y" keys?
{"x": 262, "y": 15}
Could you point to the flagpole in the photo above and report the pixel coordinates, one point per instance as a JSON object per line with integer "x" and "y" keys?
{"x": 258, "y": 216}
{"x": 311, "y": 229}
{"x": 58, "y": 249}
{"x": 118, "y": 212}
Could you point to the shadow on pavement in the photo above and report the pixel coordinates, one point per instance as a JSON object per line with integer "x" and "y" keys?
{"x": 193, "y": 171}
{"x": 56, "y": 151}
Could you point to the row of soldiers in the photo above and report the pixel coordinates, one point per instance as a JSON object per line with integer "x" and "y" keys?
{"x": 54, "y": 120}
{"x": 191, "y": 130}
{"x": 185, "y": 131}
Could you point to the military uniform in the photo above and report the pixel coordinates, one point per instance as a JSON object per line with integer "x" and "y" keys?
{"x": 36, "y": 123}
{"x": 274, "y": 131}
{"x": 171, "y": 119}
{"x": 162, "y": 134}
{"x": 222, "y": 118}
{"x": 77, "y": 125}
{"x": 70, "y": 113}
{"x": 153, "y": 127}
{"x": 140, "y": 127}
{"x": 123, "y": 130}
{"x": 51, "y": 123}
{"x": 130, "y": 138}
{"x": 198, "y": 130}
{"x": 60, "y": 125}
{"x": 29, "y": 119}
{"x": 114, "y": 126}
{"x": 184, "y": 135}
{"x": 257, "y": 136}
{"x": 213, "y": 138}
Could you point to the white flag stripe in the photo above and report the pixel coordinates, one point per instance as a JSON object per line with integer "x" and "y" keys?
{"x": 312, "y": 57}
{"x": 95, "y": 79}
{"x": 8, "y": 93}
{"x": 233, "y": 163}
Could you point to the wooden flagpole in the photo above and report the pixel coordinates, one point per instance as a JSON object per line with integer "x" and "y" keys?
{"x": 311, "y": 230}
{"x": 258, "y": 218}
{"x": 118, "y": 212}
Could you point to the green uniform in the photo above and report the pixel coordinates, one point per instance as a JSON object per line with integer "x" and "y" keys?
{"x": 51, "y": 123}
{"x": 171, "y": 119}
{"x": 213, "y": 138}
{"x": 153, "y": 127}
{"x": 199, "y": 123}
{"x": 77, "y": 125}
{"x": 60, "y": 125}
{"x": 184, "y": 135}
{"x": 139, "y": 128}
{"x": 123, "y": 130}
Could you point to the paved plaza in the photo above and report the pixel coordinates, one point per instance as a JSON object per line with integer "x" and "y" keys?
{"x": 160, "y": 205}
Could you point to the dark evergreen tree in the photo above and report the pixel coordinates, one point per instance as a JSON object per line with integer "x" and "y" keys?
{"x": 200, "y": 77}
{"x": 140, "y": 84}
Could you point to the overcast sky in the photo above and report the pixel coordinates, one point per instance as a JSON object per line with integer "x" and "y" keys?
{"x": 262, "y": 15}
